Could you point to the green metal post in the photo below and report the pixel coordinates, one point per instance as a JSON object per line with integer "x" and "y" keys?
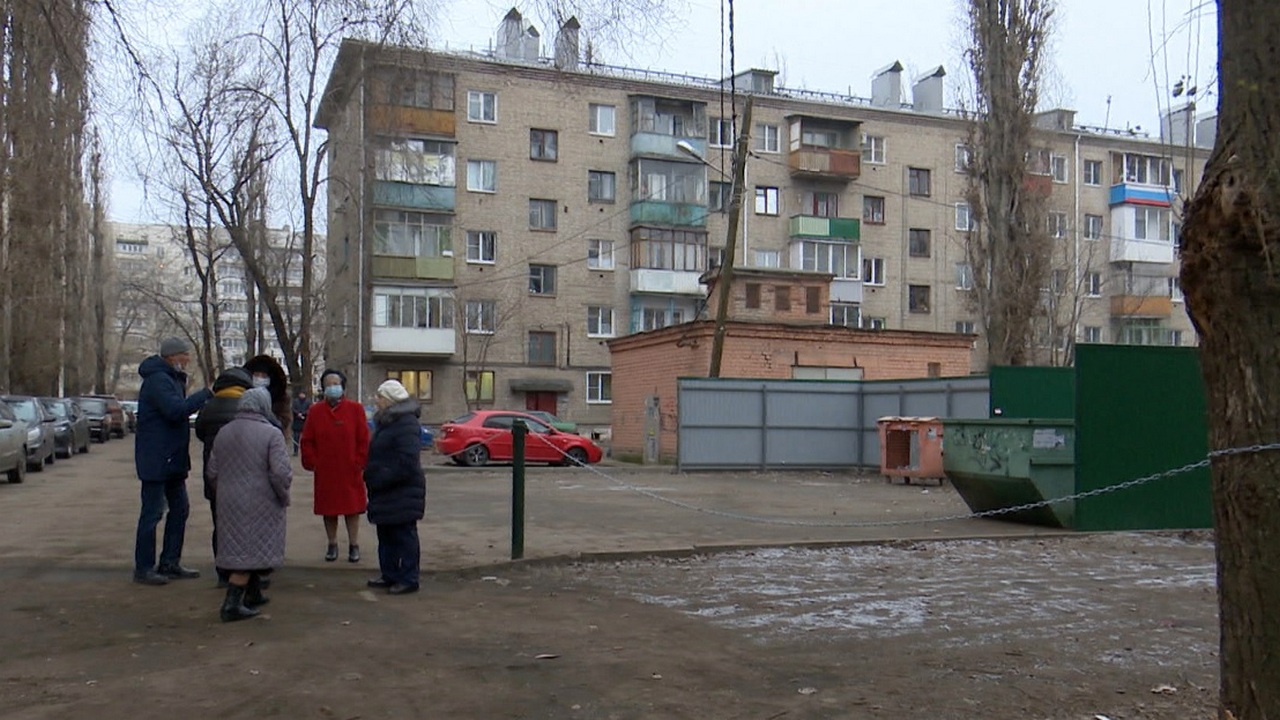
{"x": 518, "y": 433}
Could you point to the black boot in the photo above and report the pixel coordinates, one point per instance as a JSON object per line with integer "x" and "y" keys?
{"x": 233, "y": 607}
{"x": 253, "y": 596}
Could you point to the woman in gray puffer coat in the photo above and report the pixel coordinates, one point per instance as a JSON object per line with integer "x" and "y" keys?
{"x": 251, "y": 473}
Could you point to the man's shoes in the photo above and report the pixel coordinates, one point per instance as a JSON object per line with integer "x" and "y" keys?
{"x": 380, "y": 583}
{"x": 353, "y": 555}
{"x": 332, "y": 553}
{"x": 402, "y": 589}
{"x": 177, "y": 572}
{"x": 150, "y": 577}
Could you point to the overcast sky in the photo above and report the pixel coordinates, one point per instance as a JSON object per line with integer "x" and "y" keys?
{"x": 1101, "y": 49}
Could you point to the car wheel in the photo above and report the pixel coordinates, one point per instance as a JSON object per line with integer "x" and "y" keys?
{"x": 476, "y": 456}
{"x": 575, "y": 457}
{"x": 19, "y": 472}
{"x": 37, "y": 466}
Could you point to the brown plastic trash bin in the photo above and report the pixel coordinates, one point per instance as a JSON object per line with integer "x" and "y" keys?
{"x": 911, "y": 448}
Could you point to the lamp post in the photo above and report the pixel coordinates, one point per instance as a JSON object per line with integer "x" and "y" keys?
{"x": 725, "y": 280}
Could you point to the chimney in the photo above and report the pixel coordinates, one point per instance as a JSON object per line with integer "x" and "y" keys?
{"x": 532, "y": 44}
{"x": 1176, "y": 126}
{"x": 1207, "y": 132}
{"x": 510, "y": 35}
{"x": 926, "y": 93}
{"x": 567, "y": 45}
{"x": 886, "y": 86}
{"x": 1056, "y": 119}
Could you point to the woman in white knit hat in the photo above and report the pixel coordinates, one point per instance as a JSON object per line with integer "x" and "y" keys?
{"x": 397, "y": 488}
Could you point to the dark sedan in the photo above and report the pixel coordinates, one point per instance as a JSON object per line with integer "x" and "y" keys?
{"x": 41, "y": 429}
{"x": 71, "y": 426}
{"x": 99, "y": 416}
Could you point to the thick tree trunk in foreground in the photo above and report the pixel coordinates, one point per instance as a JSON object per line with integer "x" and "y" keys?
{"x": 1231, "y": 277}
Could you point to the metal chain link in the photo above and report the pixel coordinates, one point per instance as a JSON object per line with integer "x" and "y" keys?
{"x": 1206, "y": 462}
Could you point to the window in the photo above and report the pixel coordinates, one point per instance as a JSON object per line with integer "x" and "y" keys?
{"x": 1092, "y": 172}
{"x": 768, "y": 259}
{"x": 542, "y": 348}
{"x": 1151, "y": 224}
{"x": 668, "y": 249}
{"x": 482, "y": 106}
{"x": 873, "y": 149}
{"x": 599, "y": 321}
{"x": 411, "y": 234}
{"x": 818, "y": 138}
{"x": 821, "y": 204}
{"x": 1177, "y": 181}
{"x": 543, "y": 144}
{"x": 1038, "y": 162}
{"x": 601, "y": 186}
{"x": 753, "y": 296}
{"x": 767, "y": 138}
{"x": 599, "y": 387}
{"x": 721, "y": 132}
{"x": 965, "y": 327}
{"x": 1175, "y": 338}
{"x": 481, "y": 318}
{"x": 542, "y": 279}
{"x": 934, "y": 369}
{"x": 482, "y": 246}
{"x": 600, "y": 254}
{"x": 873, "y": 210}
{"x": 839, "y": 259}
{"x": 782, "y": 298}
{"x": 414, "y": 160}
{"x": 766, "y": 200}
{"x": 1092, "y": 227}
{"x": 964, "y": 158}
{"x": 1092, "y": 333}
{"x": 1058, "y": 281}
{"x": 918, "y": 182}
{"x": 431, "y": 91}
{"x": 846, "y": 314}
{"x": 668, "y": 181}
{"x": 1175, "y": 291}
{"x": 482, "y": 176}
{"x": 918, "y": 298}
{"x": 1093, "y": 284}
{"x": 1177, "y": 234}
{"x": 719, "y": 197}
{"x": 542, "y": 214}
{"x": 1058, "y": 168}
{"x": 873, "y": 271}
{"x": 409, "y": 308}
{"x": 918, "y": 242}
{"x": 601, "y": 119}
{"x": 1146, "y": 170}
{"x": 479, "y": 385}
{"x": 1057, "y": 225}
{"x": 717, "y": 257}
{"x": 875, "y": 323}
{"x": 417, "y": 382}
{"x": 654, "y": 318}
{"x": 812, "y": 300}
{"x": 964, "y": 217}
{"x": 964, "y": 276}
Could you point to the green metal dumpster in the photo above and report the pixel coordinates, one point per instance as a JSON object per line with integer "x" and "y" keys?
{"x": 1002, "y": 462}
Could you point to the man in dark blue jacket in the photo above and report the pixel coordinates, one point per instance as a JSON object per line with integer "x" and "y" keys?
{"x": 161, "y": 453}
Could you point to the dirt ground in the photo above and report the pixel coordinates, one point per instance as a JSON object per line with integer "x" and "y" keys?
{"x": 948, "y": 620}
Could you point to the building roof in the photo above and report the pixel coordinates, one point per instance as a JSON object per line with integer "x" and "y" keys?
{"x": 700, "y": 329}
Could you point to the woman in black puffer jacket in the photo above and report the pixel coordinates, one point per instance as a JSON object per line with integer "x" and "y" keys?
{"x": 397, "y": 488}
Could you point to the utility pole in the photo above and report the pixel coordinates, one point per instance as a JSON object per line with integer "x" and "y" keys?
{"x": 725, "y": 280}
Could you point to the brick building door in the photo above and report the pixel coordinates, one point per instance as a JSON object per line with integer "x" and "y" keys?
{"x": 544, "y": 401}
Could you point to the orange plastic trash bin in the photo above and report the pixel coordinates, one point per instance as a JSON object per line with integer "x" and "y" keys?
{"x": 911, "y": 448}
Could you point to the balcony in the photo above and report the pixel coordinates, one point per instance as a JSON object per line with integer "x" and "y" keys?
{"x": 847, "y": 229}
{"x": 1131, "y": 194}
{"x": 413, "y": 341}
{"x": 1037, "y": 185}
{"x": 412, "y": 268}
{"x": 846, "y": 291}
{"x": 653, "y": 212}
{"x": 397, "y": 119}
{"x": 414, "y": 197}
{"x": 1141, "y": 306}
{"x": 1142, "y": 251}
{"x": 664, "y": 146}
{"x": 415, "y": 168}
{"x": 666, "y": 282}
{"x": 825, "y": 163}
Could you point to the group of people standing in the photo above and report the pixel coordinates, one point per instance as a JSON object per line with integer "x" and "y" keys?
{"x": 245, "y": 423}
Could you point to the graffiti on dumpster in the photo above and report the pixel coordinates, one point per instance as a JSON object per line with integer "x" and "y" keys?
{"x": 990, "y": 450}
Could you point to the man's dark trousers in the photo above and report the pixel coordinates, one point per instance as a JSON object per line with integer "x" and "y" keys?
{"x": 155, "y": 497}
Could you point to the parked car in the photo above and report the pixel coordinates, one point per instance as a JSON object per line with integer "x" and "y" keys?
{"x": 13, "y": 445}
{"x": 553, "y": 421}
{"x": 118, "y": 424}
{"x": 130, "y": 414}
{"x": 478, "y": 437}
{"x": 71, "y": 426}
{"x": 41, "y": 430}
{"x": 99, "y": 416}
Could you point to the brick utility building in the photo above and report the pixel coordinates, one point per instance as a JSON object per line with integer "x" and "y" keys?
{"x": 496, "y": 218}
{"x": 779, "y": 331}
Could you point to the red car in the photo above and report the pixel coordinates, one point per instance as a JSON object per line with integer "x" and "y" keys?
{"x": 478, "y": 437}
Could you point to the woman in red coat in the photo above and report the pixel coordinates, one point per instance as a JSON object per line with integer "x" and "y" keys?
{"x": 335, "y": 445}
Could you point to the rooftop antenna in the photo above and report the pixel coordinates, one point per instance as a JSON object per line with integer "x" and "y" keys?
{"x": 1106, "y": 123}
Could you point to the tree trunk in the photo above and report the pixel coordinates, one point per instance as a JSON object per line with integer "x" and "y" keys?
{"x": 1231, "y": 279}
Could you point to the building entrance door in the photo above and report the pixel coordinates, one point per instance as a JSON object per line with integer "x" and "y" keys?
{"x": 544, "y": 401}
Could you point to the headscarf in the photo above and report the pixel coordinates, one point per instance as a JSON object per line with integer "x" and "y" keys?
{"x": 257, "y": 401}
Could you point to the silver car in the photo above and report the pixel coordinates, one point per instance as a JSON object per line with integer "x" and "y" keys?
{"x": 13, "y": 445}
{"x": 41, "y": 430}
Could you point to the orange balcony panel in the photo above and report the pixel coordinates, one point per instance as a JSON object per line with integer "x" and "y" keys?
{"x": 826, "y": 163}
{"x": 1038, "y": 185}
{"x": 1151, "y": 306}
{"x": 400, "y": 119}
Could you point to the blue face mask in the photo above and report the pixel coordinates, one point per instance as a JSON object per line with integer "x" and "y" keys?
{"x": 333, "y": 392}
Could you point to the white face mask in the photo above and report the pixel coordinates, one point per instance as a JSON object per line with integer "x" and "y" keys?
{"x": 261, "y": 382}
{"x": 180, "y": 367}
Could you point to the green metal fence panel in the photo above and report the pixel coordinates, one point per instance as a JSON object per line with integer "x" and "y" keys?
{"x": 1140, "y": 410}
{"x": 1033, "y": 392}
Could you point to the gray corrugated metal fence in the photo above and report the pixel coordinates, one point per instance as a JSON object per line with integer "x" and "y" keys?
{"x": 777, "y": 424}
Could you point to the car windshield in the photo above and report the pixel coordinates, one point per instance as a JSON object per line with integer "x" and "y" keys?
{"x": 93, "y": 406}
{"x": 58, "y": 409}
{"x": 25, "y": 410}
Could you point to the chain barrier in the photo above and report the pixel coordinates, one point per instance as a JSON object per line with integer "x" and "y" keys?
{"x": 1206, "y": 462}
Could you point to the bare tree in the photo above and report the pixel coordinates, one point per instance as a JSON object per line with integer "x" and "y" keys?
{"x": 480, "y": 320}
{"x": 1009, "y": 250}
{"x": 1230, "y": 275}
